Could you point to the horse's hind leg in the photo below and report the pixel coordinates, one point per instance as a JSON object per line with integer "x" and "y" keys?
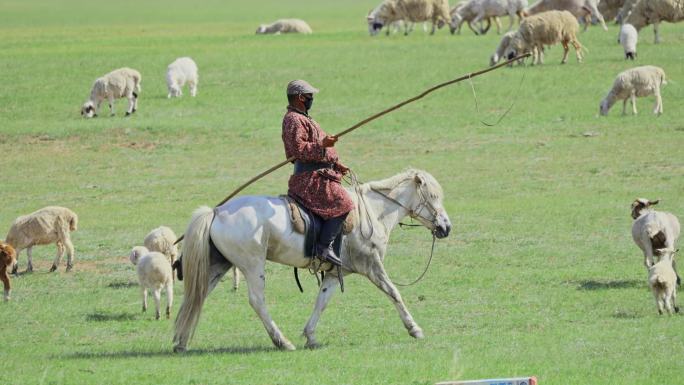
{"x": 327, "y": 290}
{"x": 256, "y": 282}
{"x": 379, "y": 277}
{"x": 236, "y": 278}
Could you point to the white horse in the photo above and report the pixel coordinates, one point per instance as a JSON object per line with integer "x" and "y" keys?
{"x": 250, "y": 230}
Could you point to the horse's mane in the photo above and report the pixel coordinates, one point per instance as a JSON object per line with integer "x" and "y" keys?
{"x": 432, "y": 187}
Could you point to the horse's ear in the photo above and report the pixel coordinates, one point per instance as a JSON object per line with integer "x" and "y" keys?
{"x": 653, "y": 203}
{"x": 418, "y": 179}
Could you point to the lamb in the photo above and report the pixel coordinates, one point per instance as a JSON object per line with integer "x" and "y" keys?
{"x": 546, "y": 28}
{"x": 182, "y": 70}
{"x": 633, "y": 83}
{"x": 154, "y": 273}
{"x": 412, "y": 11}
{"x": 662, "y": 280}
{"x": 495, "y": 8}
{"x": 7, "y": 259}
{"x": 120, "y": 83}
{"x": 653, "y": 230}
{"x": 628, "y": 39}
{"x": 51, "y": 224}
{"x": 162, "y": 239}
{"x": 578, "y": 8}
{"x": 284, "y": 26}
{"x": 647, "y": 12}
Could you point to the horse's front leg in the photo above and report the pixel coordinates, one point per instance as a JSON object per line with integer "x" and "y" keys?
{"x": 256, "y": 282}
{"x": 379, "y": 277}
{"x": 325, "y": 293}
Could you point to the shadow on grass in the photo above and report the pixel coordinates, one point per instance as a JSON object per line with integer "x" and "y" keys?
{"x": 101, "y": 316}
{"x": 627, "y": 314}
{"x": 168, "y": 353}
{"x": 122, "y": 285}
{"x": 604, "y": 285}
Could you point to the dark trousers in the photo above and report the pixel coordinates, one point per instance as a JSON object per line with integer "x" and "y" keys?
{"x": 329, "y": 231}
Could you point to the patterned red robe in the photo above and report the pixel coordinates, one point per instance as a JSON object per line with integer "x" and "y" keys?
{"x": 320, "y": 191}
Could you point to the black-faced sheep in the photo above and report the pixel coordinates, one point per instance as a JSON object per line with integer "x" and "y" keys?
{"x": 120, "y": 83}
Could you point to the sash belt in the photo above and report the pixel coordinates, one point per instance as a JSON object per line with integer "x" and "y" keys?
{"x": 300, "y": 167}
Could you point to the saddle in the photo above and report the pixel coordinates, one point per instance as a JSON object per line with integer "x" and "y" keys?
{"x": 307, "y": 223}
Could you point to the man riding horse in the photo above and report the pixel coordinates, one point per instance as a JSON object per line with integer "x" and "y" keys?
{"x": 315, "y": 183}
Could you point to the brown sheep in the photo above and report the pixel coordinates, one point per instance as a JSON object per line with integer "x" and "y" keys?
{"x": 7, "y": 258}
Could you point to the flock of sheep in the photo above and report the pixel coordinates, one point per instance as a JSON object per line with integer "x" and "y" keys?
{"x": 545, "y": 23}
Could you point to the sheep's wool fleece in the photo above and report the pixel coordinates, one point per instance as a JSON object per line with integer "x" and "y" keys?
{"x": 288, "y": 26}
{"x": 652, "y": 11}
{"x": 40, "y": 227}
{"x": 118, "y": 83}
{"x": 413, "y": 10}
{"x": 549, "y": 28}
{"x": 643, "y": 80}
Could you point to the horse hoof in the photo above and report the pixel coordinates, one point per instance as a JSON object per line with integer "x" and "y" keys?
{"x": 53, "y": 268}
{"x": 68, "y": 269}
{"x": 417, "y": 332}
{"x": 312, "y": 345}
{"x": 179, "y": 349}
{"x": 286, "y": 346}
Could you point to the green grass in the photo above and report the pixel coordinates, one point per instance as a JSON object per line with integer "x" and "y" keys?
{"x": 540, "y": 276}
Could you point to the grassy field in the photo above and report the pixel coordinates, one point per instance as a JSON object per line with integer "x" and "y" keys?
{"x": 540, "y": 276}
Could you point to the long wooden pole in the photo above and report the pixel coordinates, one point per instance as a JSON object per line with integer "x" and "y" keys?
{"x": 370, "y": 119}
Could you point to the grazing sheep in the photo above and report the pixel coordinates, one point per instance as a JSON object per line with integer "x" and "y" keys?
{"x": 495, "y": 8}
{"x": 182, "y": 70}
{"x": 662, "y": 279}
{"x": 162, "y": 239}
{"x": 610, "y": 9}
{"x": 501, "y": 49}
{"x": 645, "y": 12}
{"x": 413, "y": 11}
{"x": 546, "y": 28}
{"x": 284, "y": 26}
{"x": 633, "y": 83}
{"x": 51, "y": 224}
{"x": 154, "y": 273}
{"x": 578, "y": 8}
{"x": 121, "y": 83}
{"x": 7, "y": 258}
{"x": 653, "y": 230}
{"x": 466, "y": 12}
{"x": 628, "y": 39}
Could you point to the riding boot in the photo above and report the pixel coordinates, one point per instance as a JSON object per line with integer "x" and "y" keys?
{"x": 329, "y": 231}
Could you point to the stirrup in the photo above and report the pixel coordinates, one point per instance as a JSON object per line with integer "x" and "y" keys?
{"x": 327, "y": 255}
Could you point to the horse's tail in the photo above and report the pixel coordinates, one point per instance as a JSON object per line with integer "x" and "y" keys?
{"x": 195, "y": 257}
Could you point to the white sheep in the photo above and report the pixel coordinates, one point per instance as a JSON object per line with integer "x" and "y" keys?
{"x": 546, "y": 28}
{"x": 120, "y": 83}
{"x": 154, "y": 273}
{"x": 578, "y": 8}
{"x": 633, "y": 83}
{"x": 183, "y": 70}
{"x": 645, "y": 12}
{"x": 628, "y": 39}
{"x": 466, "y": 12}
{"x": 284, "y": 26}
{"x": 494, "y": 8}
{"x": 162, "y": 239}
{"x": 51, "y": 224}
{"x": 409, "y": 11}
{"x": 662, "y": 279}
{"x": 653, "y": 230}
{"x": 502, "y": 47}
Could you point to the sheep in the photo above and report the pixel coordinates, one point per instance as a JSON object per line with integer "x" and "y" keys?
{"x": 154, "y": 273}
{"x": 610, "y": 9}
{"x": 7, "y": 258}
{"x": 182, "y": 70}
{"x": 495, "y": 8}
{"x": 578, "y": 8}
{"x": 633, "y": 83}
{"x": 51, "y": 224}
{"x": 625, "y": 10}
{"x": 546, "y": 28}
{"x": 501, "y": 49}
{"x": 467, "y": 11}
{"x": 120, "y": 83}
{"x": 662, "y": 280}
{"x": 162, "y": 239}
{"x": 653, "y": 230}
{"x": 412, "y": 11}
{"x": 645, "y": 12}
{"x": 284, "y": 26}
{"x": 628, "y": 39}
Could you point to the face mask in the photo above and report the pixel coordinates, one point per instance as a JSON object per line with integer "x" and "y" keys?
{"x": 308, "y": 103}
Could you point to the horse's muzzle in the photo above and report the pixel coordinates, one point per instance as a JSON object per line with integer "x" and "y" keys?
{"x": 442, "y": 231}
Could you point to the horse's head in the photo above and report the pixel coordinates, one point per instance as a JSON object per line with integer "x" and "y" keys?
{"x": 426, "y": 204}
